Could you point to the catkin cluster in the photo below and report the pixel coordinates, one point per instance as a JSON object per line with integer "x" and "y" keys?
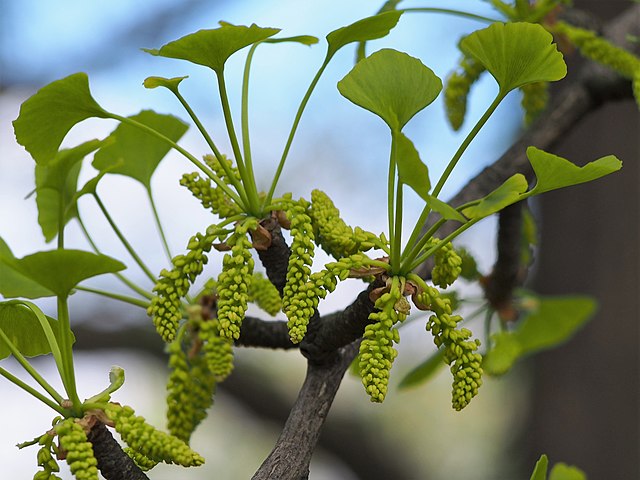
{"x": 263, "y": 293}
{"x": 448, "y": 264}
{"x": 46, "y": 461}
{"x": 212, "y": 197}
{"x": 459, "y": 351}
{"x": 600, "y": 50}
{"x": 190, "y": 391}
{"x": 457, "y": 89}
{"x": 172, "y": 286}
{"x": 234, "y": 280}
{"x": 376, "y": 350}
{"x": 79, "y": 452}
{"x": 149, "y": 442}
{"x": 332, "y": 233}
{"x": 140, "y": 460}
{"x": 217, "y": 351}
{"x": 535, "y": 97}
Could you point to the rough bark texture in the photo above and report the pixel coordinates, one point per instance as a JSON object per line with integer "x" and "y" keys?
{"x": 113, "y": 463}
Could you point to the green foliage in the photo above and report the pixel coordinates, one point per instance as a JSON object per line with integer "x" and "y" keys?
{"x": 392, "y": 85}
{"x": 516, "y": 54}
{"x": 560, "y": 471}
{"x": 136, "y": 154}
{"x": 549, "y": 323}
{"x": 424, "y": 371}
{"x": 369, "y": 28}
{"x": 46, "y": 117}
{"x": 13, "y": 283}
{"x": 506, "y": 194}
{"x": 22, "y": 328}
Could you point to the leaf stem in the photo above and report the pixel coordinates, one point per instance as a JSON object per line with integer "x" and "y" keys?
{"x": 447, "y": 11}
{"x": 139, "y": 290}
{"x": 123, "y": 240}
{"x": 244, "y": 114}
{"x": 417, "y": 248}
{"x": 206, "y": 170}
{"x": 115, "y": 296}
{"x": 69, "y": 379}
{"x": 163, "y": 237}
{"x": 391, "y": 179}
{"x": 29, "y": 389}
{"x": 29, "y": 368}
{"x": 463, "y": 146}
{"x": 248, "y": 181}
{"x": 294, "y": 127}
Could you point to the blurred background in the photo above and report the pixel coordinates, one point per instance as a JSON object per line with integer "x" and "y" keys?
{"x": 574, "y": 403}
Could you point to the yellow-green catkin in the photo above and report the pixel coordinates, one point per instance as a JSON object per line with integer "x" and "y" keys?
{"x": 145, "y": 439}
{"x": 376, "y": 350}
{"x": 234, "y": 281}
{"x": 535, "y": 97}
{"x": 139, "y": 459}
{"x": 457, "y": 89}
{"x": 600, "y": 50}
{"x": 264, "y": 294}
{"x": 459, "y": 351}
{"x": 190, "y": 390}
{"x": 213, "y": 162}
{"x": 211, "y": 197}
{"x": 448, "y": 264}
{"x": 46, "y": 461}
{"x": 299, "y": 269}
{"x": 79, "y": 451}
{"x": 172, "y": 286}
{"x": 217, "y": 351}
{"x": 332, "y": 233}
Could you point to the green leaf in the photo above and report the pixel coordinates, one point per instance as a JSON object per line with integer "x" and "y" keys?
{"x": 57, "y": 182}
{"x": 516, "y": 54}
{"x": 138, "y": 152}
{"x": 552, "y": 321}
{"x": 506, "y": 194}
{"x": 554, "y": 172}
{"x": 540, "y": 472}
{"x": 303, "y": 39}
{"x": 22, "y": 327}
{"x": 14, "y": 284}
{"x": 61, "y": 270}
{"x": 370, "y": 28}
{"x": 47, "y": 116}
{"x": 212, "y": 48}
{"x": 562, "y": 471}
{"x": 444, "y": 209}
{"x": 392, "y": 85}
{"x": 411, "y": 170}
{"x": 424, "y": 371}
{"x": 170, "y": 83}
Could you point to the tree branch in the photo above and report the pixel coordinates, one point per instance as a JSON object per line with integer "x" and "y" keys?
{"x": 113, "y": 463}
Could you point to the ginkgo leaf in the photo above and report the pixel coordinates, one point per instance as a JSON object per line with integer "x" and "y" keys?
{"x": 506, "y": 194}
{"x": 540, "y": 470}
{"x": 23, "y": 329}
{"x": 212, "y": 48}
{"x": 516, "y": 53}
{"x": 411, "y": 170}
{"x": 135, "y": 153}
{"x": 370, "y": 28}
{"x": 424, "y": 371}
{"x": 170, "y": 83}
{"x": 47, "y": 116}
{"x": 562, "y": 471}
{"x": 391, "y": 84}
{"x": 444, "y": 209}
{"x": 554, "y": 172}
{"x": 56, "y": 183}
{"x": 303, "y": 39}
{"x": 61, "y": 270}
{"x": 14, "y": 284}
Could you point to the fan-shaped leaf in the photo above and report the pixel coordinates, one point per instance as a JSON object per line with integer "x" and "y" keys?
{"x": 303, "y": 39}
{"x": 424, "y": 371}
{"x": 540, "y": 471}
{"x": 554, "y": 172}
{"x": 370, "y": 28}
{"x": 23, "y": 329}
{"x": 516, "y": 54}
{"x": 509, "y": 192}
{"x": 57, "y": 182}
{"x": 444, "y": 209}
{"x": 170, "y": 83}
{"x": 212, "y": 48}
{"x": 562, "y": 471}
{"x": 411, "y": 170}
{"x": 61, "y": 270}
{"x": 14, "y": 284}
{"x": 391, "y": 84}
{"x": 135, "y": 153}
{"x": 47, "y": 116}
